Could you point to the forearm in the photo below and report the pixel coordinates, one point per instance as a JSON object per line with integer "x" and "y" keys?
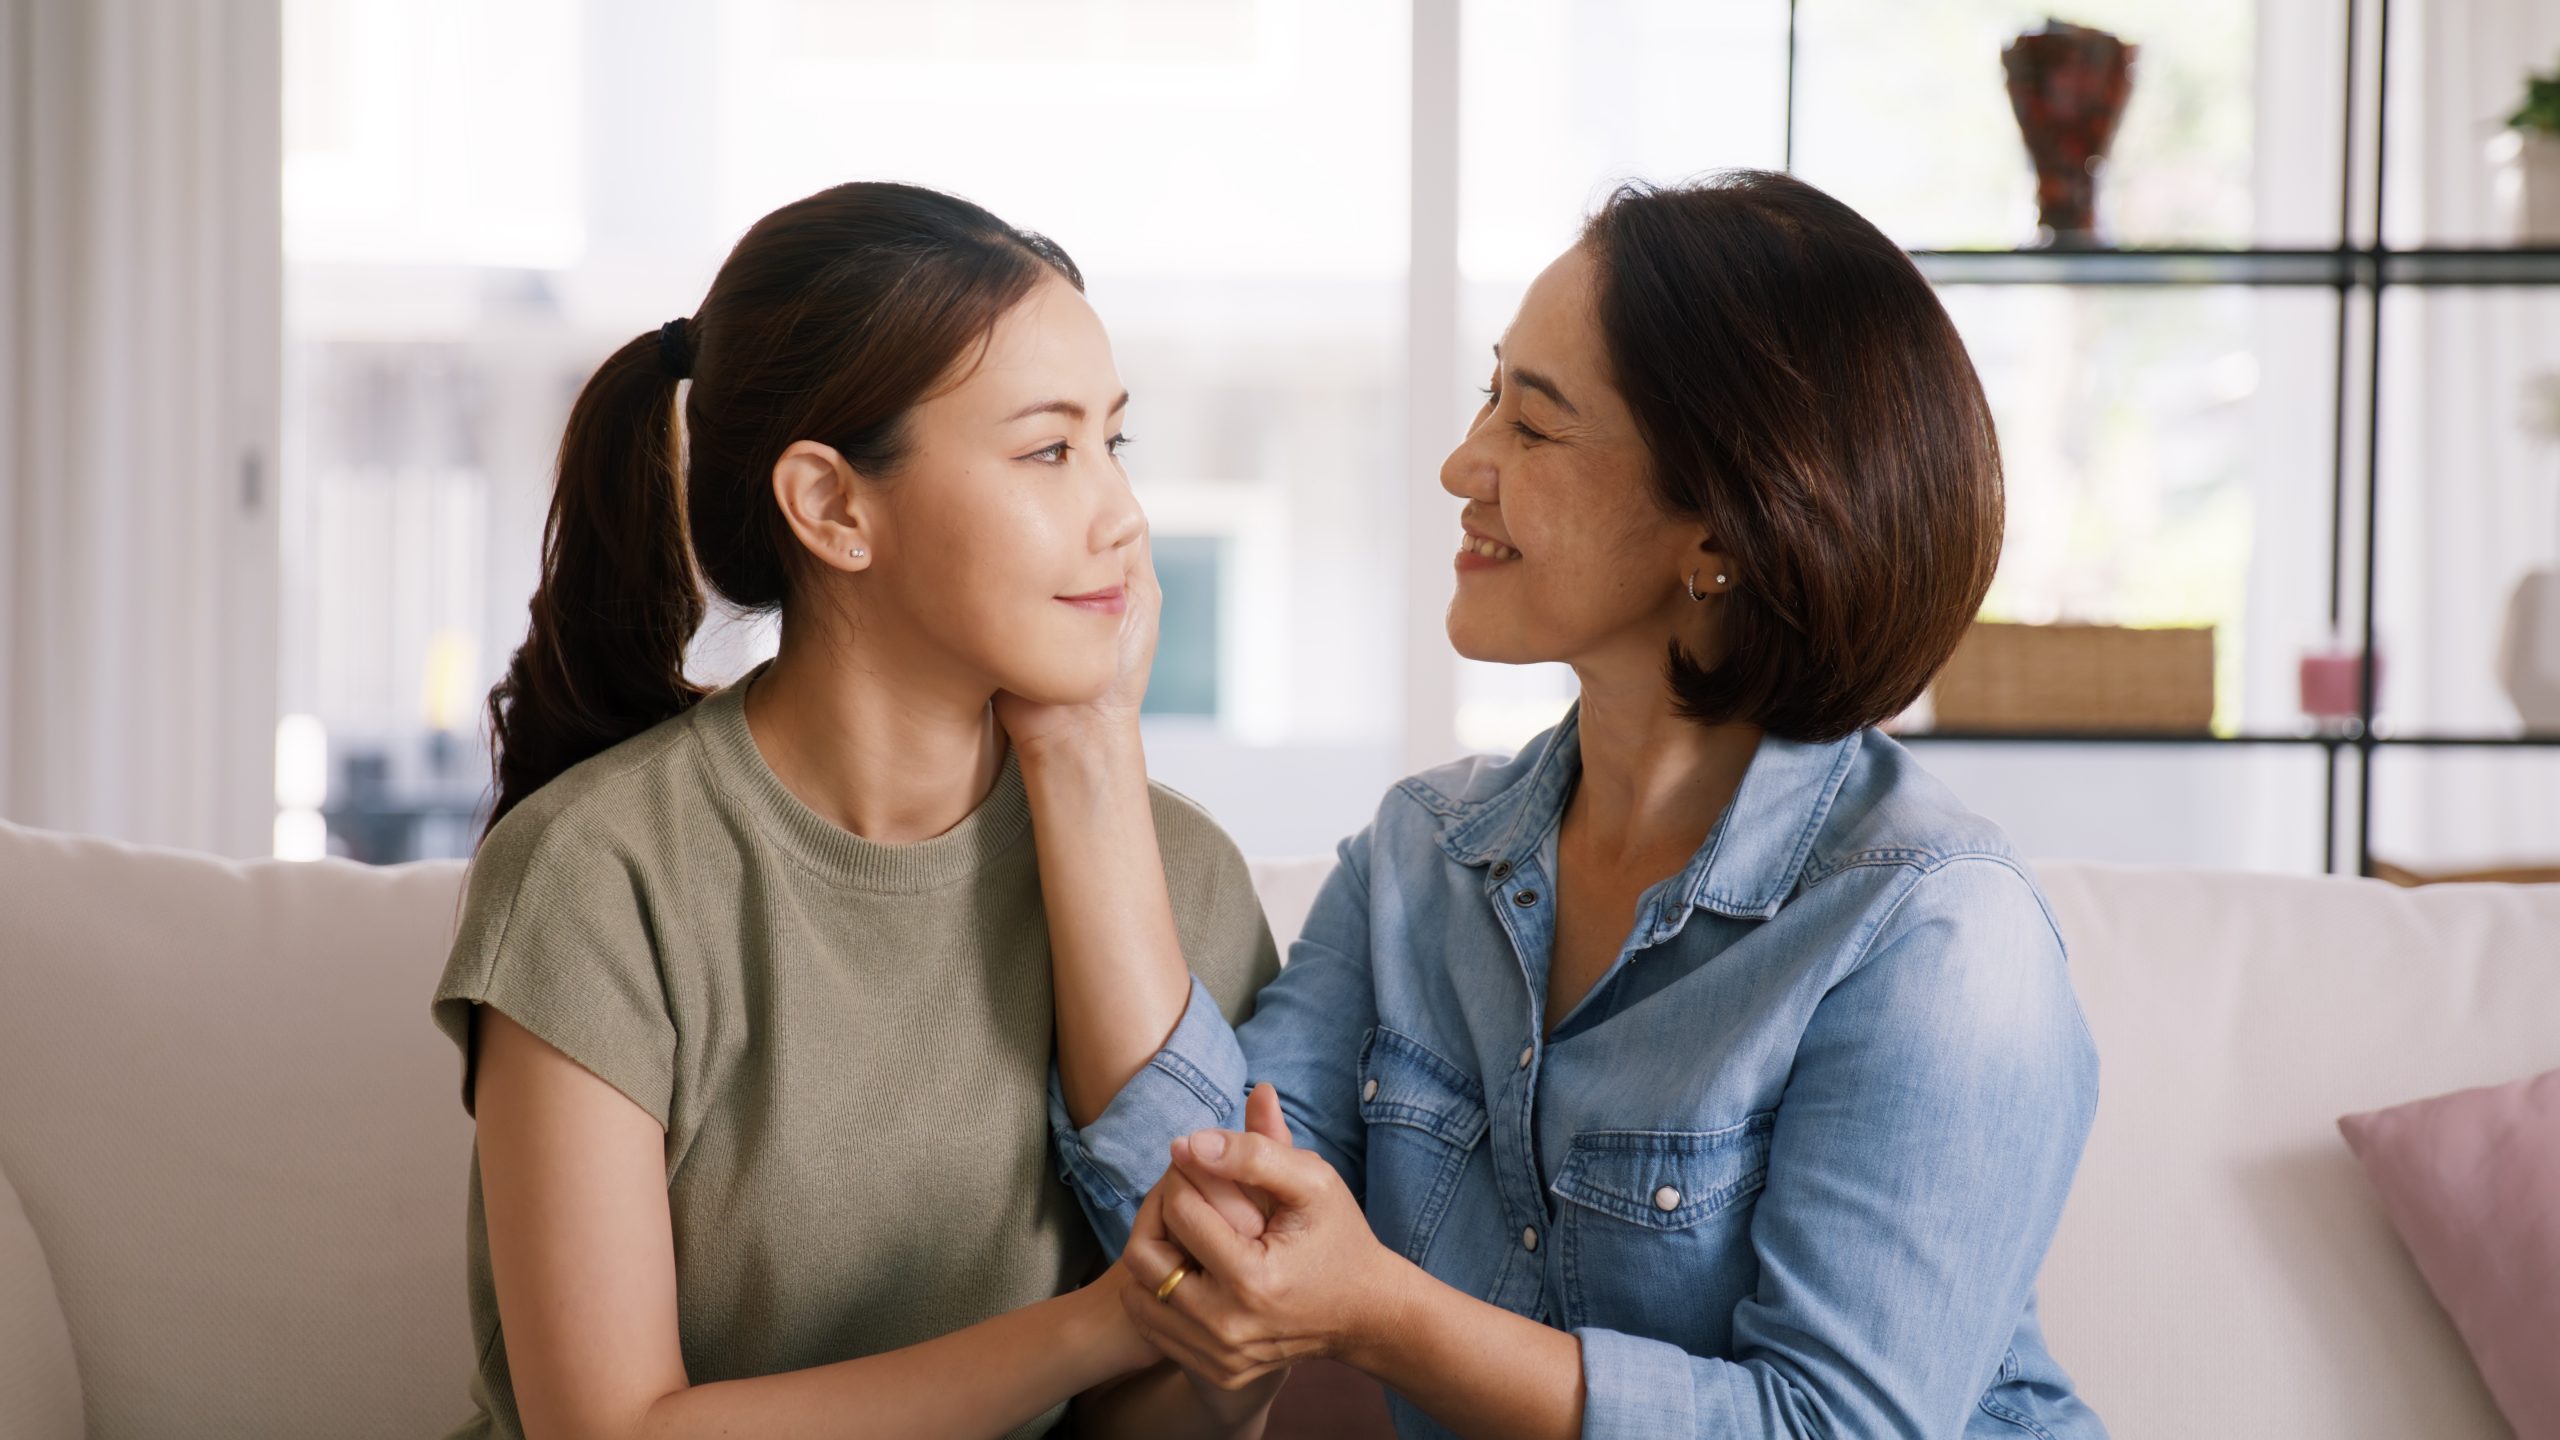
{"x": 1163, "y": 1401}
{"x": 982, "y": 1381}
{"x": 1478, "y": 1369}
{"x": 1116, "y": 959}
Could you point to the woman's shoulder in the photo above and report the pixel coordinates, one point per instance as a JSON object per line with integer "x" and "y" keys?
{"x": 604, "y": 815}
{"x": 1193, "y": 841}
{"x": 1890, "y": 809}
{"x": 1216, "y": 906}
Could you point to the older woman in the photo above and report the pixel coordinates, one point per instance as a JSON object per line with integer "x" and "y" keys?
{"x": 1706, "y": 1068}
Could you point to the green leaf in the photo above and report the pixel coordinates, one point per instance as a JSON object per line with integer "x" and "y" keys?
{"x": 2541, "y": 108}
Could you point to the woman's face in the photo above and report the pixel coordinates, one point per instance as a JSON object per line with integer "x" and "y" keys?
{"x": 999, "y": 554}
{"x": 1567, "y": 555}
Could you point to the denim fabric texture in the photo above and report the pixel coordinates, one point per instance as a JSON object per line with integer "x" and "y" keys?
{"x": 1788, "y": 1168}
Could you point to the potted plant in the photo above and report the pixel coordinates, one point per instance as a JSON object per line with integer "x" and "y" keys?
{"x": 2527, "y": 154}
{"x": 2529, "y": 648}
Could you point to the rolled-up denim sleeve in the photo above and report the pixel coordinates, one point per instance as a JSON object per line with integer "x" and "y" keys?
{"x": 1195, "y": 1082}
{"x": 1303, "y": 1037}
{"x": 1308, "y": 1024}
{"x": 1927, "y": 1137}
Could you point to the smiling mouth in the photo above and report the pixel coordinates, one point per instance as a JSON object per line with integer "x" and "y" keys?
{"x": 1489, "y": 549}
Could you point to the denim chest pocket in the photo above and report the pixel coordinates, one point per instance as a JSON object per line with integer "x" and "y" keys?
{"x": 1424, "y": 1118}
{"x": 1654, "y": 1232}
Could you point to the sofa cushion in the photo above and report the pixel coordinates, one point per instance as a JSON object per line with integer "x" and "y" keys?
{"x": 233, "y": 1126}
{"x": 2472, "y": 1182}
{"x": 39, "y": 1384}
{"x": 2222, "y": 1267}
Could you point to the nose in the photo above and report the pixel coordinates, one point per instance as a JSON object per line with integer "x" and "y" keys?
{"x": 1120, "y": 520}
{"x": 1470, "y": 473}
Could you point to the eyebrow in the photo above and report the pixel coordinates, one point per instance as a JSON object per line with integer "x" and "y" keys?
{"x": 1539, "y": 383}
{"x": 1074, "y": 411}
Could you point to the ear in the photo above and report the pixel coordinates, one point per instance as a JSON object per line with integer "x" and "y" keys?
{"x": 1714, "y": 567}
{"x": 824, "y": 500}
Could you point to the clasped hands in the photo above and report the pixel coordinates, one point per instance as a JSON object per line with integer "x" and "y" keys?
{"x": 1280, "y": 1262}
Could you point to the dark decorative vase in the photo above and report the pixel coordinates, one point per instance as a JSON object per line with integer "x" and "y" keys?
{"x": 2068, "y": 85}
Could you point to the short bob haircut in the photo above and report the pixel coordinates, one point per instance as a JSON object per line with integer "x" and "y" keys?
{"x": 1806, "y": 398}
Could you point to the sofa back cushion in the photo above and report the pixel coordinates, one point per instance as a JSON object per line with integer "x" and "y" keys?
{"x": 2223, "y": 1266}
{"x": 234, "y": 1127}
{"x": 39, "y": 1383}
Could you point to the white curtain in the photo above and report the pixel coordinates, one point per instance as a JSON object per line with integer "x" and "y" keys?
{"x": 141, "y": 290}
{"x": 2470, "y": 496}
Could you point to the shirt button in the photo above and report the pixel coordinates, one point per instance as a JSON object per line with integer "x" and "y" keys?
{"x": 1525, "y": 899}
{"x": 1666, "y": 1198}
{"x": 1502, "y": 870}
{"x": 1526, "y": 1051}
{"x": 1370, "y": 1090}
{"x": 1529, "y": 1238}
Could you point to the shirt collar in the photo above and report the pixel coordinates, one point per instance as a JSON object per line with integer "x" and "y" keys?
{"x": 1747, "y": 865}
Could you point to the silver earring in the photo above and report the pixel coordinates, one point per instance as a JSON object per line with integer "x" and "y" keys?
{"x": 1692, "y": 584}
{"x": 857, "y": 552}
{"x": 1719, "y": 579}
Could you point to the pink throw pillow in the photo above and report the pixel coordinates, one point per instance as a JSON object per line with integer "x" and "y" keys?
{"x": 2471, "y": 1181}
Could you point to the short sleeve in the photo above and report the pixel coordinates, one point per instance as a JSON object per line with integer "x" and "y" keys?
{"x": 555, "y": 935}
{"x": 1225, "y": 939}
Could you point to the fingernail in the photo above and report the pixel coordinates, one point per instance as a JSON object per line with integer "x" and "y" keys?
{"x": 1208, "y": 1144}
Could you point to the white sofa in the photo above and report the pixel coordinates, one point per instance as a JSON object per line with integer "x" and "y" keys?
{"x": 239, "y": 1159}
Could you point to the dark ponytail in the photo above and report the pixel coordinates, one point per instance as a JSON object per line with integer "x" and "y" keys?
{"x": 831, "y": 319}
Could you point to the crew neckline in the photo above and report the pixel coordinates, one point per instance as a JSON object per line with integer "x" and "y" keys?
{"x": 832, "y": 852}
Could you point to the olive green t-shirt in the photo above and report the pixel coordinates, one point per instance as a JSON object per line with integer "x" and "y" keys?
{"x": 848, "y": 1043}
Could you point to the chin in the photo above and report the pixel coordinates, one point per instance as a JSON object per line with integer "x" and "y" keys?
{"x": 1478, "y": 637}
{"x": 1054, "y": 685}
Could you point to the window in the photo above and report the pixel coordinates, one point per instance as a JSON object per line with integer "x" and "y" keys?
{"x": 484, "y": 199}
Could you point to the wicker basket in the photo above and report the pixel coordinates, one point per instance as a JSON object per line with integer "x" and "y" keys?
{"x": 2077, "y": 677}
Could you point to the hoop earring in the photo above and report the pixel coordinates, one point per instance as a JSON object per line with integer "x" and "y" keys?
{"x": 1692, "y": 585}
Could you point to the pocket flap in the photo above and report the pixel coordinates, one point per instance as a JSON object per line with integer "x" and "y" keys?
{"x": 1667, "y": 1179}
{"x": 1402, "y": 1082}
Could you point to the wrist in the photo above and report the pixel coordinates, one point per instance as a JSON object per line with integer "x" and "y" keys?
{"x": 1395, "y": 1299}
{"x": 1235, "y": 1409}
{"x": 1098, "y": 1328}
{"x": 1104, "y": 749}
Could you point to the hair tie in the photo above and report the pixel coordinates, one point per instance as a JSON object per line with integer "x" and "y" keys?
{"x": 675, "y": 349}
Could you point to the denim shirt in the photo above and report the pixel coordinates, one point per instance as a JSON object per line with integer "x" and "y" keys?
{"x": 1788, "y": 1168}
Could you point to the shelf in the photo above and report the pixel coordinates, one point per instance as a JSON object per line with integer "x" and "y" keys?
{"x": 2364, "y": 273}
{"x": 2102, "y": 737}
{"x": 2140, "y": 737}
{"x": 2364, "y": 267}
{"x": 2470, "y": 267}
{"x": 2529, "y": 742}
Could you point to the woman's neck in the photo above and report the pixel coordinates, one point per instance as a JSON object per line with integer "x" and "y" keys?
{"x": 889, "y": 759}
{"x": 1653, "y": 781}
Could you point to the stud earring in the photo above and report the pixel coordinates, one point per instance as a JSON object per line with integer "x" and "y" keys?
{"x": 1719, "y": 579}
{"x": 857, "y": 552}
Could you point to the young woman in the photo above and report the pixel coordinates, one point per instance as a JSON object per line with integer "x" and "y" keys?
{"x": 756, "y": 990}
{"x": 1706, "y": 1069}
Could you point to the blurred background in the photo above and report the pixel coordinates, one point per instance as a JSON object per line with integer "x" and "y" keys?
{"x": 2309, "y": 359}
